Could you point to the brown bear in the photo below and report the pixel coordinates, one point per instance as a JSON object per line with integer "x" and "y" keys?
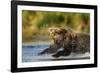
{"x": 68, "y": 40}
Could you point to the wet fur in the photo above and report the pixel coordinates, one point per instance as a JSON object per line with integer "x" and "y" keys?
{"x": 69, "y": 40}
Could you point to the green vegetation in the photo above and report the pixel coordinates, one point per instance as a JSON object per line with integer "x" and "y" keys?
{"x": 37, "y": 22}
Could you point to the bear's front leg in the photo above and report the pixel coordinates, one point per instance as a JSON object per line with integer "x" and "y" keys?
{"x": 62, "y": 53}
{"x": 52, "y": 49}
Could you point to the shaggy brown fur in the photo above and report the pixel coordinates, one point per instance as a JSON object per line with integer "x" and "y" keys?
{"x": 69, "y": 40}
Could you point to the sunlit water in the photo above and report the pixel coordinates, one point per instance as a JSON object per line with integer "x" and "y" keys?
{"x": 30, "y": 54}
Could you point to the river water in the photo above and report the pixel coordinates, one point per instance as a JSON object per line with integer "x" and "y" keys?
{"x": 30, "y": 54}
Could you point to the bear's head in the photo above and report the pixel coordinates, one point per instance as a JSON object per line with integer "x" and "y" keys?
{"x": 61, "y": 34}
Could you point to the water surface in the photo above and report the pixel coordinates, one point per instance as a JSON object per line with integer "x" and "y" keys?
{"x": 30, "y": 54}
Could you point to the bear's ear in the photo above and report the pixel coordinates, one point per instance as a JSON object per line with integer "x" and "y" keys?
{"x": 53, "y": 30}
{"x": 50, "y": 30}
{"x": 63, "y": 31}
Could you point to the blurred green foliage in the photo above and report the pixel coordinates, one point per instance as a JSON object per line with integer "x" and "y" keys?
{"x": 38, "y": 22}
